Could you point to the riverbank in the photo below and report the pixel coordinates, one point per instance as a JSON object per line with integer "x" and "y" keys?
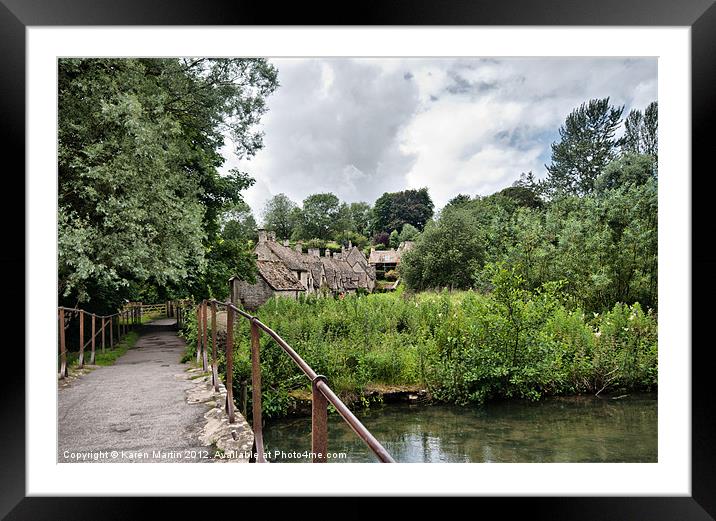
{"x": 460, "y": 347}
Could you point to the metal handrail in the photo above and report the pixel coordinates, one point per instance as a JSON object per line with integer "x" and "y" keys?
{"x": 124, "y": 320}
{"x": 322, "y": 394}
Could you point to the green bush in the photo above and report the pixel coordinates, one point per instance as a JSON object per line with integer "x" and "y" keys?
{"x": 465, "y": 347}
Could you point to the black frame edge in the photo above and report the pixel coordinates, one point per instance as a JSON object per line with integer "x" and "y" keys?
{"x": 700, "y": 14}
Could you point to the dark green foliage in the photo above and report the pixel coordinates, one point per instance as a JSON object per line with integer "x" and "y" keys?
{"x": 587, "y": 144}
{"x": 630, "y": 169}
{"x": 458, "y": 200}
{"x": 281, "y": 215}
{"x": 447, "y": 253}
{"x": 465, "y": 347}
{"x": 522, "y": 196}
{"x": 393, "y": 210}
{"x": 641, "y": 134}
{"x": 408, "y": 233}
{"x": 140, "y": 197}
{"x": 319, "y": 216}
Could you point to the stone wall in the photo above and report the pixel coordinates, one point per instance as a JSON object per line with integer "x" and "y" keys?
{"x": 251, "y": 296}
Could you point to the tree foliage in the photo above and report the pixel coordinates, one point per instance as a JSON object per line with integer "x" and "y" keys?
{"x": 641, "y": 134}
{"x": 280, "y": 215}
{"x": 393, "y": 210}
{"x": 140, "y": 197}
{"x": 587, "y": 144}
{"x": 319, "y": 216}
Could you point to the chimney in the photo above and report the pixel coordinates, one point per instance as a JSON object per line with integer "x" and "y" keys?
{"x": 350, "y": 244}
{"x": 372, "y": 249}
{"x": 285, "y": 242}
{"x": 314, "y": 252}
{"x": 299, "y": 247}
{"x": 327, "y": 253}
{"x": 271, "y": 236}
{"x": 262, "y": 236}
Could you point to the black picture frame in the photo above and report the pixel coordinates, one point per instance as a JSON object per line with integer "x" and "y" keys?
{"x": 699, "y": 15}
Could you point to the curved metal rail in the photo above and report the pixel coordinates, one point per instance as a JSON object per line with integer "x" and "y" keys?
{"x": 322, "y": 394}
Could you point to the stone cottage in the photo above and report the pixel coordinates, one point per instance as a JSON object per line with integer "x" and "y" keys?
{"x": 386, "y": 260}
{"x": 288, "y": 272}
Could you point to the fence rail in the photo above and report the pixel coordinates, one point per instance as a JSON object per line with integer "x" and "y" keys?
{"x": 321, "y": 393}
{"x": 105, "y": 325}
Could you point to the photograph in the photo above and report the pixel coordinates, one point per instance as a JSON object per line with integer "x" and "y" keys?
{"x": 342, "y": 260}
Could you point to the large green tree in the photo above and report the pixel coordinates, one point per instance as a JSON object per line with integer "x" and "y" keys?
{"x": 140, "y": 196}
{"x": 279, "y": 215}
{"x": 393, "y": 210}
{"x": 641, "y": 131}
{"x": 320, "y": 214}
{"x": 586, "y": 146}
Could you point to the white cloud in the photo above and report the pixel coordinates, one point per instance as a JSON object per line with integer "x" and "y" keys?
{"x": 359, "y": 127}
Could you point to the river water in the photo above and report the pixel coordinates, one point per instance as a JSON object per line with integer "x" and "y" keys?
{"x": 570, "y": 429}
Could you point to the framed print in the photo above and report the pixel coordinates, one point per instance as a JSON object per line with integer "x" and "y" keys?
{"x": 435, "y": 234}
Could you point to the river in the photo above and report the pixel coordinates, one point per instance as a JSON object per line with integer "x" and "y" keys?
{"x": 565, "y": 429}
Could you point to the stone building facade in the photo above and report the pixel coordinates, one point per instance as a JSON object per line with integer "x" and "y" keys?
{"x": 288, "y": 272}
{"x": 383, "y": 261}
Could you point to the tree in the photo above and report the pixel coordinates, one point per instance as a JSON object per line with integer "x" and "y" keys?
{"x": 239, "y": 224}
{"x": 408, "y": 233}
{"x": 447, "y": 253}
{"x": 586, "y": 146}
{"x": 393, "y": 239}
{"x": 522, "y": 196}
{"x": 138, "y": 150}
{"x": 393, "y": 210}
{"x": 361, "y": 217}
{"x": 320, "y": 212}
{"x": 458, "y": 200}
{"x": 279, "y": 215}
{"x": 629, "y": 169}
{"x": 641, "y": 131}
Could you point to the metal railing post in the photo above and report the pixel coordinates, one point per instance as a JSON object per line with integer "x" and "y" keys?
{"x": 204, "y": 338}
{"x": 63, "y": 351}
{"x": 81, "y": 359}
{"x": 256, "y": 391}
{"x": 319, "y": 422}
{"x": 93, "y": 335}
{"x": 198, "y": 334}
{"x": 229, "y": 363}
{"x": 214, "y": 369}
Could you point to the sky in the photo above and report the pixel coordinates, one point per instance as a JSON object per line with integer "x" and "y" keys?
{"x": 362, "y": 127}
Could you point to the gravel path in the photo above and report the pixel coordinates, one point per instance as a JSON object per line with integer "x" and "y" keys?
{"x": 136, "y": 407}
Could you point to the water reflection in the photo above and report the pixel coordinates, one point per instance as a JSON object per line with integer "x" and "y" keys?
{"x": 573, "y": 429}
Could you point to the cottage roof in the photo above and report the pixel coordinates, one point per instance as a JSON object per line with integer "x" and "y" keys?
{"x": 278, "y": 276}
{"x": 384, "y": 257}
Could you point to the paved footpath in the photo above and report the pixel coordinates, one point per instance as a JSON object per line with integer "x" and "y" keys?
{"x": 136, "y": 407}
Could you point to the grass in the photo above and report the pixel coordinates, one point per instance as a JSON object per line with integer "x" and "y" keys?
{"x": 109, "y": 356}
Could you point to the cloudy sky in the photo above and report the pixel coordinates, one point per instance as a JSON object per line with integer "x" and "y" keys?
{"x": 361, "y": 127}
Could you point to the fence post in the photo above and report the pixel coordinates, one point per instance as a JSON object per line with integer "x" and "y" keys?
{"x": 63, "y": 352}
{"x": 229, "y": 363}
{"x": 198, "y": 334}
{"x": 214, "y": 370}
{"x": 204, "y": 335}
{"x": 103, "y": 320}
{"x": 319, "y": 422}
{"x": 93, "y": 334}
{"x": 111, "y": 333}
{"x": 244, "y": 398}
{"x": 81, "y": 359}
{"x": 256, "y": 390}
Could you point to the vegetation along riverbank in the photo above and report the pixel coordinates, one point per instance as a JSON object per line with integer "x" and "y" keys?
{"x": 462, "y": 346}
